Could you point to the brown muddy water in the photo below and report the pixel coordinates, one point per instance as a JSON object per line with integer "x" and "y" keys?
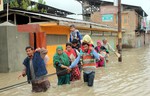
{"x": 129, "y": 78}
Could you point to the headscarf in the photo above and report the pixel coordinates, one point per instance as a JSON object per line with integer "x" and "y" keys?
{"x": 104, "y": 40}
{"x": 62, "y": 58}
{"x": 98, "y": 41}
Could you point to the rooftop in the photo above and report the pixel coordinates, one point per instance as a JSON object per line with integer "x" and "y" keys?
{"x": 138, "y": 9}
{"x": 23, "y": 16}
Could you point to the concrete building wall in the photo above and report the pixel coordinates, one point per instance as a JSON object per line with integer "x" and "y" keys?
{"x": 3, "y": 50}
{"x": 131, "y": 40}
{"x": 141, "y": 40}
{"x": 147, "y": 38}
{"x": 132, "y": 21}
{"x": 128, "y": 40}
{"x": 128, "y": 20}
{"x": 13, "y": 46}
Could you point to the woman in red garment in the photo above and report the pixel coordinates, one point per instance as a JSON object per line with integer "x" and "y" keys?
{"x": 72, "y": 54}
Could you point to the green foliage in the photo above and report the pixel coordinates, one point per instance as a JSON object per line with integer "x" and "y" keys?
{"x": 35, "y": 8}
{"x": 25, "y": 4}
{"x": 43, "y": 11}
{"x": 42, "y": 2}
{"x": 14, "y": 4}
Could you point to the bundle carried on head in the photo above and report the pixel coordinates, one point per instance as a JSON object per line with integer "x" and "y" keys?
{"x": 87, "y": 39}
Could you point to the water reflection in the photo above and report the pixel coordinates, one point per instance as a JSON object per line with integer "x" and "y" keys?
{"x": 129, "y": 78}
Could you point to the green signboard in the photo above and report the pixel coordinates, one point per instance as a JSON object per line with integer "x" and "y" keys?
{"x": 107, "y": 17}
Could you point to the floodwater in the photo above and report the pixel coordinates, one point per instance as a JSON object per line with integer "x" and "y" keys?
{"x": 129, "y": 78}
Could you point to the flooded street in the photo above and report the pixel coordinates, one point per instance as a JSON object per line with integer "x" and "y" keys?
{"x": 129, "y": 78}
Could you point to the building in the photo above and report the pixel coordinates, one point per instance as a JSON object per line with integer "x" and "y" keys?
{"x": 133, "y": 20}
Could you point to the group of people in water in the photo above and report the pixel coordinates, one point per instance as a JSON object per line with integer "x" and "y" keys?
{"x": 79, "y": 55}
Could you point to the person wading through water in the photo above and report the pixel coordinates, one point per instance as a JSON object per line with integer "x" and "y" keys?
{"x": 100, "y": 50}
{"x": 87, "y": 56}
{"x": 72, "y": 54}
{"x": 35, "y": 69}
{"x": 76, "y": 46}
{"x": 61, "y": 63}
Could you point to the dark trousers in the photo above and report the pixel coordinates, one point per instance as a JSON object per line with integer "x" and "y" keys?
{"x": 89, "y": 78}
{"x": 40, "y": 87}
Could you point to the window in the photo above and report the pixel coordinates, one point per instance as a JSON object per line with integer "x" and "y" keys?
{"x": 56, "y": 39}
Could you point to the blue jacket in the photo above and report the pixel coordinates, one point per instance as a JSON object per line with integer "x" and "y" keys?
{"x": 38, "y": 65}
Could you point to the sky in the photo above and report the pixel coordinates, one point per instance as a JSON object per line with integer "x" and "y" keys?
{"x": 75, "y": 7}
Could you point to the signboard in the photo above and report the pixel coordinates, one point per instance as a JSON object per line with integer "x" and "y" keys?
{"x": 107, "y": 18}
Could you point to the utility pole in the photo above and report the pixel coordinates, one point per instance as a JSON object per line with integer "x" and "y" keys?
{"x": 119, "y": 31}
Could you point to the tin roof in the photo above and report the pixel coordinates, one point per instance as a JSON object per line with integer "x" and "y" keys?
{"x": 65, "y": 21}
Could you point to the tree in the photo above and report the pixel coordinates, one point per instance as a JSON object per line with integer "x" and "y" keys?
{"x": 14, "y": 4}
{"x": 37, "y": 8}
{"x": 25, "y": 4}
{"x": 42, "y": 2}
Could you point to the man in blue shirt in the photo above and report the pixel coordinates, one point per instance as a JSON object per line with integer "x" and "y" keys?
{"x": 35, "y": 69}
